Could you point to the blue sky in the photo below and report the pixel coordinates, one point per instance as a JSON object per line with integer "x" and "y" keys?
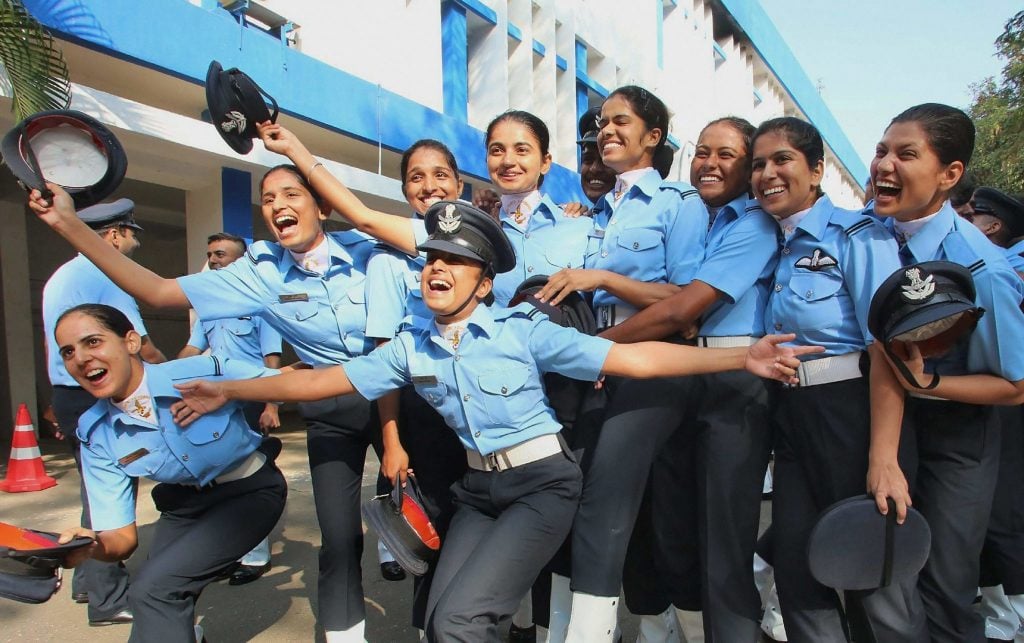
{"x": 876, "y": 58}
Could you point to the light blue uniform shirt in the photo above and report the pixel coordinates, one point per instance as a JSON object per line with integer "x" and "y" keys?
{"x": 828, "y": 271}
{"x": 655, "y": 234}
{"x": 996, "y": 345}
{"x": 490, "y": 390}
{"x": 79, "y": 282}
{"x": 322, "y": 317}
{"x": 393, "y": 287}
{"x": 245, "y": 338}
{"x": 1015, "y": 255}
{"x": 548, "y": 242}
{"x": 116, "y": 447}
{"x": 740, "y": 257}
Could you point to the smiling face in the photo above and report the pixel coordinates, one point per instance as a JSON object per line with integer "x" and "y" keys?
{"x": 290, "y": 212}
{"x": 102, "y": 363}
{"x": 625, "y": 141}
{"x": 515, "y": 160}
{"x": 719, "y": 168}
{"x": 222, "y": 252}
{"x": 781, "y": 179}
{"x": 910, "y": 180}
{"x": 429, "y": 179}
{"x": 448, "y": 280}
{"x": 596, "y": 178}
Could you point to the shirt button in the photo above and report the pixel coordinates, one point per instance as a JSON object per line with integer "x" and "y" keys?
{"x": 604, "y": 253}
{"x": 476, "y": 435}
{"x": 529, "y": 269}
{"x": 465, "y": 398}
{"x": 778, "y": 326}
{"x": 636, "y": 245}
{"x": 785, "y": 251}
{"x": 527, "y": 235}
{"x": 810, "y": 293}
{"x": 216, "y": 434}
{"x": 504, "y": 390}
{"x": 184, "y": 457}
{"x": 456, "y": 358}
{"x": 778, "y": 287}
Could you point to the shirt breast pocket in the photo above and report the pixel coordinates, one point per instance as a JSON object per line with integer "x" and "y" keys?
{"x": 294, "y": 311}
{"x": 507, "y": 397}
{"x": 430, "y": 389}
{"x": 640, "y": 239}
{"x": 569, "y": 255}
{"x": 818, "y": 300}
{"x": 239, "y": 327}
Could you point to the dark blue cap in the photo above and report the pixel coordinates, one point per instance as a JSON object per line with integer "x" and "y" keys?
{"x": 588, "y": 126}
{"x": 1002, "y": 206}
{"x": 461, "y": 229}
{"x": 110, "y": 215}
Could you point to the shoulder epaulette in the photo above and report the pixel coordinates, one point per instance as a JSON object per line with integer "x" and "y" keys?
{"x": 263, "y": 251}
{"x": 522, "y": 311}
{"x": 852, "y": 221}
{"x": 194, "y": 367}
{"x": 685, "y": 190}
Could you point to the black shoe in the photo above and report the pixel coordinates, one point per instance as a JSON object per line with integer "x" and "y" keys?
{"x": 518, "y": 634}
{"x": 227, "y": 571}
{"x": 248, "y": 573}
{"x": 80, "y": 597}
{"x": 122, "y": 617}
{"x": 392, "y": 571}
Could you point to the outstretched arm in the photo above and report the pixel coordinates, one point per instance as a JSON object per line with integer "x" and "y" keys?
{"x": 393, "y": 230}
{"x": 976, "y": 388}
{"x": 200, "y": 397}
{"x": 141, "y": 283}
{"x": 767, "y": 358}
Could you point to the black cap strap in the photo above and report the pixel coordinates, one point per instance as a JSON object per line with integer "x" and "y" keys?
{"x": 890, "y": 541}
{"x": 906, "y": 371}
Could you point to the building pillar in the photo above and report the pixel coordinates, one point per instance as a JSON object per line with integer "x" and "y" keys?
{"x": 203, "y": 217}
{"x": 19, "y": 364}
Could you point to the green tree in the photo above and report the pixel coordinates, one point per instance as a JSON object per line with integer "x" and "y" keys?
{"x": 36, "y": 69}
{"x": 998, "y": 113}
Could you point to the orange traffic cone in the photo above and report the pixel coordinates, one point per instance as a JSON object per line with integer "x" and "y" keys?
{"x": 25, "y": 468}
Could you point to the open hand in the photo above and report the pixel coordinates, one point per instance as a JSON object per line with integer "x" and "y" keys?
{"x": 197, "y": 399}
{"x": 770, "y": 359}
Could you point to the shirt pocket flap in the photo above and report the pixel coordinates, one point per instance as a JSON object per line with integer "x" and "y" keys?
{"x": 815, "y": 286}
{"x": 239, "y": 327}
{"x": 297, "y": 310}
{"x": 505, "y": 382}
{"x": 205, "y": 432}
{"x": 638, "y": 239}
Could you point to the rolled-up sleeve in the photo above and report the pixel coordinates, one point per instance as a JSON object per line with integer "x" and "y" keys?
{"x": 234, "y": 291}
{"x": 110, "y": 491}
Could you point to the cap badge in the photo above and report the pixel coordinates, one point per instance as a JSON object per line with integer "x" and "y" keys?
{"x": 449, "y": 221}
{"x": 919, "y": 290}
{"x": 236, "y": 122}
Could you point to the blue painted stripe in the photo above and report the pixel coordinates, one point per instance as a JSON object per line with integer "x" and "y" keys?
{"x": 772, "y": 48}
{"x": 659, "y": 17}
{"x": 591, "y": 84}
{"x": 539, "y": 49}
{"x": 454, "y": 61}
{"x": 561, "y": 63}
{"x": 236, "y": 201}
{"x": 480, "y": 9}
{"x": 303, "y": 86}
{"x": 758, "y": 99}
{"x": 720, "y": 56}
{"x": 515, "y": 32}
{"x": 672, "y": 140}
{"x": 581, "y": 57}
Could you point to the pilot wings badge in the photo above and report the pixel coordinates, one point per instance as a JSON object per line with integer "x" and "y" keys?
{"x": 236, "y": 122}
{"x": 817, "y": 261}
{"x": 449, "y": 221}
{"x": 918, "y": 290}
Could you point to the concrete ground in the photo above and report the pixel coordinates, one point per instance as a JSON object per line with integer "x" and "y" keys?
{"x": 278, "y": 607}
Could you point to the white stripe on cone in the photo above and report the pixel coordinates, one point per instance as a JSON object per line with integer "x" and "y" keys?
{"x": 25, "y": 453}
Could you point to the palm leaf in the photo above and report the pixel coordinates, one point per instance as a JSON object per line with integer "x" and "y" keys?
{"x": 38, "y": 74}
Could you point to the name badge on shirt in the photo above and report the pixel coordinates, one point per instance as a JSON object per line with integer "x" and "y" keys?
{"x": 284, "y": 299}
{"x": 424, "y": 379}
{"x": 133, "y": 456}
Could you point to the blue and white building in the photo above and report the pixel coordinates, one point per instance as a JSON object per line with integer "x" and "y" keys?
{"x": 358, "y": 81}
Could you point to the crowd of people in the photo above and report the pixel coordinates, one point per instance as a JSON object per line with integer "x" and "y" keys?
{"x": 564, "y": 470}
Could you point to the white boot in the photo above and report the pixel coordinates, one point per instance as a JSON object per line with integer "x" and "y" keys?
{"x": 1001, "y": 620}
{"x": 660, "y": 628}
{"x": 354, "y": 634}
{"x": 561, "y": 608}
{"x": 692, "y": 625}
{"x": 593, "y": 618}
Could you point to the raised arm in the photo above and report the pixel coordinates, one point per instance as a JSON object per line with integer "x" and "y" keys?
{"x": 393, "y": 230}
{"x": 141, "y": 283}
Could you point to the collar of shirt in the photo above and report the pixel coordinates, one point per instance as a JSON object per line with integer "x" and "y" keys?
{"x": 139, "y": 405}
{"x": 926, "y": 234}
{"x": 625, "y": 182}
{"x": 333, "y": 246}
{"x": 814, "y": 221}
{"x": 523, "y": 202}
{"x": 481, "y": 322}
{"x": 315, "y": 260}
{"x": 729, "y": 212}
{"x": 790, "y": 223}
